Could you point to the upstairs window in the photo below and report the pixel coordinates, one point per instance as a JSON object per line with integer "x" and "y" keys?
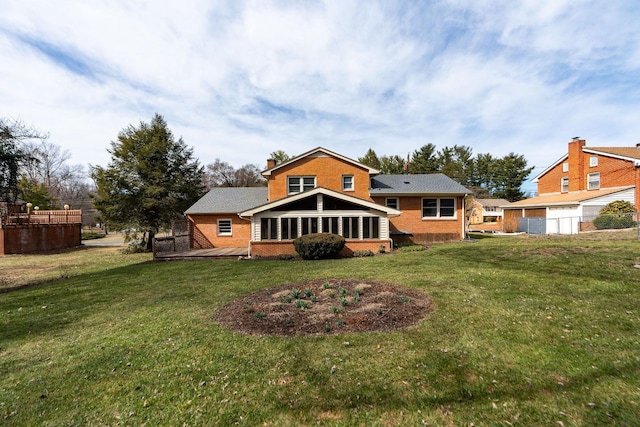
{"x": 298, "y": 184}
{"x": 438, "y": 208}
{"x": 565, "y": 167}
{"x": 593, "y": 181}
{"x": 392, "y": 202}
{"x": 347, "y": 182}
{"x": 564, "y": 184}
{"x": 593, "y": 161}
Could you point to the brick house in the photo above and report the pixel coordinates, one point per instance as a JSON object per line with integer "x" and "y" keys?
{"x": 322, "y": 191}
{"x": 573, "y": 190}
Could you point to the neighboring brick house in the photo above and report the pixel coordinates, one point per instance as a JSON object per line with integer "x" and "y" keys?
{"x": 322, "y": 191}
{"x": 574, "y": 189}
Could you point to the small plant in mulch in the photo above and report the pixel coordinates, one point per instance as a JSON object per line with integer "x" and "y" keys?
{"x": 304, "y": 308}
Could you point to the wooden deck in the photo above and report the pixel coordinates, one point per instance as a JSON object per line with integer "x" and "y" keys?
{"x": 215, "y": 253}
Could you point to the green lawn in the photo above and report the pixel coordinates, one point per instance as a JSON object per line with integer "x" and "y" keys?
{"x": 525, "y": 331}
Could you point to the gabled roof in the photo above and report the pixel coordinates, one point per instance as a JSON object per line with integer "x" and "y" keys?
{"x": 624, "y": 153}
{"x": 229, "y": 200}
{"x": 434, "y": 183}
{"x": 564, "y": 199}
{"x": 491, "y": 203}
{"x": 319, "y": 151}
{"x": 321, "y": 190}
{"x": 553, "y": 165}
{"x": 631, "y": 154}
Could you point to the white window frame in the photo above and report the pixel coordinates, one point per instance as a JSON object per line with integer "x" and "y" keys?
{"x": 348, "y": 183}
{"x": 439, "y": 208}
{"x": 300, "y": 183}
{"x": 592, "y": 179}
{"x": 395, "y": 205}
{"x": 564, "y": 184}
{"x": 565, "y": 167}
{"x": 225, "y": 226}
{"x": 593, "y": 161}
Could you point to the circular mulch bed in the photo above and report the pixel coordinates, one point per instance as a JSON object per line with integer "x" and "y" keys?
{"x": 326, "y": 307}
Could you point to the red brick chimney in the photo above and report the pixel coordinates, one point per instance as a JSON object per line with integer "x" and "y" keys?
{"x": 577, "y": 180}
{"x": 271, "y": 163}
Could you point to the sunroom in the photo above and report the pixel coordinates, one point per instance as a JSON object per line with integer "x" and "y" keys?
{"x": 364, "y": 224}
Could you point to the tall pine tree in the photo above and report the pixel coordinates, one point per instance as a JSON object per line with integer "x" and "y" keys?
{"x": 151, "y": 179}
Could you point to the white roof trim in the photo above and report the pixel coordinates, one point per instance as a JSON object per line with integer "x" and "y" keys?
{"x": 309, "y": 153}
{"x": 321, "y": 190}
{"x": 603, "y": 153}
{"x": 553, "y": 165}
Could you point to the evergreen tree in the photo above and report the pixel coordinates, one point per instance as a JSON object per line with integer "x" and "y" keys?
{"x": 424, "y": 160}
{"x": 12, "y": 154}
{"x": 370, "y": 159}
{"x": 392, "y": 165}
{"x": 151, "y": 179}
{"x": 510, "y": 173}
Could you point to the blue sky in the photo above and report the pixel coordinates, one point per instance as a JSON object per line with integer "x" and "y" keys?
{"x": 238, "y": 80}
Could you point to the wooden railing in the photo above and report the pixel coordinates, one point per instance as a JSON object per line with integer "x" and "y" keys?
{"x": 71, "y": 216}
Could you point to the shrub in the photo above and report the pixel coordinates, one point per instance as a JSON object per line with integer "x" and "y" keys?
{"x": 510, "y": 225}
{"x": 363, "y": 253}
{"x": 618, "y": 214}
{"x": 618, "y": 207}
{"x": 411, "y": 248}
{"x": 319, "y": 245}
{"x": 604, "y": 222}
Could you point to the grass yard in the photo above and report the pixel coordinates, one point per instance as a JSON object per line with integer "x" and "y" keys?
{"x": 525, "y": 331}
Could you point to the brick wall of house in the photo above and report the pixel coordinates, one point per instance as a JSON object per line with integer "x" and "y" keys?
{"x": 204, "y": 231}
{"x": 614, "y": 172}
{"x": 34, "y": 238}
{"x": 328, "y": 172}
{"x": 424, "y": 231}
{"x": 272, "y": 248}
{"x": 551, "y": 182}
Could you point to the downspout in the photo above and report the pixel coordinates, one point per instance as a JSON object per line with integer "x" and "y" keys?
{"x": 250, "y": 235}
{"x": 464, "y": 217}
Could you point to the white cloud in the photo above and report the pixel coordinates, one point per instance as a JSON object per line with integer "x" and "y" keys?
{"x": 238, "y": 80}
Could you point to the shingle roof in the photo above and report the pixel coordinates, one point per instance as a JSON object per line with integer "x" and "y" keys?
{"x": 564, "y": 199}
{"x": 630, "y": 152}
{"x": 229, "y": 200}
{"x": 488, "y": 203}
{"x": 436, "y": 183}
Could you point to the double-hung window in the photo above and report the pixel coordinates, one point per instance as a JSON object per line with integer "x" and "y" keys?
{"x": 593, "y": 161}
{"x": 392, "y": 202}
{"x": 298, "y": 184}
{"x": 564, "y": 184}
{"x": 439, "y": 208}
{"x": 347, "y": 182}
{"x": 593, "y": 181}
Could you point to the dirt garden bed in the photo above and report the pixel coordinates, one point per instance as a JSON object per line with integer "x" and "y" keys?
{"x": 326, "y": 307}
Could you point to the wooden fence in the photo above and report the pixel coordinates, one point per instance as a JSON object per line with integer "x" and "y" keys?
{"x": 70, "y": 216}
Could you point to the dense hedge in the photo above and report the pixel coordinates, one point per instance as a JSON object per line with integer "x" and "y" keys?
{"x": 319, "y": 245}
{"x": 604, "y": 222}
{"x": 618, "y": 214}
